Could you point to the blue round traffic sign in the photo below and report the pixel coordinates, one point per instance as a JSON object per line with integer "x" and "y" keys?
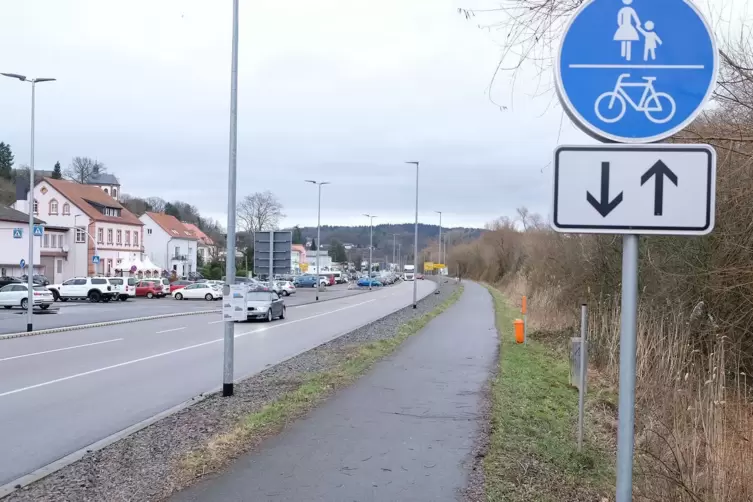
{"x": 23, "y": 263}
{"x": 636, "y": 71}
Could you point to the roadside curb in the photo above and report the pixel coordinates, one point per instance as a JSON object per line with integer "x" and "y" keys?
{"x": 46, "y": 470}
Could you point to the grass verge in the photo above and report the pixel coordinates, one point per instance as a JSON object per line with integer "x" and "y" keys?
{"x": 314, "y": 388}
{"x": 532, "y": 454}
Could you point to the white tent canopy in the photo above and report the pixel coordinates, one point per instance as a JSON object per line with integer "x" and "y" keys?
{"x": 136, "y": 267}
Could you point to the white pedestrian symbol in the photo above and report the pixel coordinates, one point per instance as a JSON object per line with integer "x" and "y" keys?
{"x": 659, "y": 107}
{"x": 627, "y": 33}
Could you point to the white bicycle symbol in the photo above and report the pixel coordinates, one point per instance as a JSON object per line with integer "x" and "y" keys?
{"x": 659, "y": 107}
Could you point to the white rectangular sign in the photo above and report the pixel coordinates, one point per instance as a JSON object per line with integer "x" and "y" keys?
{"x": 234, "y": 307}
{"x": 634, "y": 189}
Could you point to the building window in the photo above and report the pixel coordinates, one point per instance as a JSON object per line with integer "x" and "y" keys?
{"x": 114, "y": 193}
{"x": 53, "y": 241}
{"x": 80, "y": 235}
{"x": 135, "y": 239}
{"x": 127, "y": 237}
{"x": 54, "y": 207}
{"x": 119, "y": 237}
{"x": 106, "y": 191}
{"x": 36, "y": 207}
{"x": 148, "y": 231}
{"x": 59, "y": 264}
{"x": 109, "y": 235}
{"x": 100, "y": 236}
{"x": 46, "y": 241}
{"x": 66, "y": 209}
{"x": 61, "y": 240}
{"x": 109, "y": 266}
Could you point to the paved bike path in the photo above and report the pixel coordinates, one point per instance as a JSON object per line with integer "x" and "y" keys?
{"x": 403, "y": 432}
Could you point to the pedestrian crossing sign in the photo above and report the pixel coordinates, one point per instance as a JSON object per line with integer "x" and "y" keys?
{"x": 18, "y": 233}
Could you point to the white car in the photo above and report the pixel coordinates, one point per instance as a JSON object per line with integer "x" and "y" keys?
{"x": 17, "y": 295}
{"x": 285, "y": 288}
{"x": 124, "y": 287}
{"x": 198, "y": 291}
{"x": 94, "y": 289}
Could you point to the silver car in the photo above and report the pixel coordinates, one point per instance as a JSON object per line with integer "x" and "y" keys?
{"x": 265, "y": 305}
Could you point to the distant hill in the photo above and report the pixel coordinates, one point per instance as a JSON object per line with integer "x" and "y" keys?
{"x": 383, "y": 239}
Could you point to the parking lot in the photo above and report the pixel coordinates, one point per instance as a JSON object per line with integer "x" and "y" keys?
{"x": 73, "y": 313}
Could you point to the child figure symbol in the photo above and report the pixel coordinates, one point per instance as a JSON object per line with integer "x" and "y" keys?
{"x": 628, "y": 26}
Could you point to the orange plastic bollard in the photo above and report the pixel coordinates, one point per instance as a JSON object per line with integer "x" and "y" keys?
{"x": 524, "y": 306}
{"x": 518, "y": 325}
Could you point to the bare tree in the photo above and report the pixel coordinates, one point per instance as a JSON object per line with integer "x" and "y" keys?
{"x": 259, "y": 211}
{"x": 82, "y": 169}
{"x": 156, "y": 204}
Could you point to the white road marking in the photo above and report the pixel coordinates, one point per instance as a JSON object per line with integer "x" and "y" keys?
{"x": 169, "y": 352}
{"x": 169, "y": 330}
{"x": 215, "y": 322}
{"x": 60, "y": 349}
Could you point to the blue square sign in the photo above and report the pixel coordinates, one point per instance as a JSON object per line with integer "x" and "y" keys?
{"x": 18, "y": 233}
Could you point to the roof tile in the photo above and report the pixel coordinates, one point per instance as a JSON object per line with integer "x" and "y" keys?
{"x": 81, "y": 196}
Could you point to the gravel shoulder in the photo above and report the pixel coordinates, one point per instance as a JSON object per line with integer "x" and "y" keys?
{"x": 150, "y": 465}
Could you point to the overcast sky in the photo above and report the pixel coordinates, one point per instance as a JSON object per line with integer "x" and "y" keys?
{"x": 337, "y": 90}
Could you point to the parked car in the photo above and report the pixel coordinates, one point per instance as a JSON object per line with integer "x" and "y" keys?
{"x": 265, "y": 305}
{"x": 179, "y": 285}
{"x": 198, "y": 291}
{"x": 5, "y": 280}
{"x": 150, "y": 288}
{"x": 364, "y": 281}
{"x": 305, "y": 281}
{"x": 17, "y": 295}
{"x": 94, "y": 289}
{"x": 122, "y": 287}
{"x": 37, "y": 279}
{"x": 420, "y": 276}
{"x": 165, "y": 285}
{"x": 194, "y": 276}
{"x": 286, "y": 288}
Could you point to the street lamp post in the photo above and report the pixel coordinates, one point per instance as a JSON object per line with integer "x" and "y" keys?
{"x": 439, "y": 280}
{"x": 371, "y": 240}
{"x": 30, "y": 198}
{"x": 415, "y": 242}
{"x": 229, "y": 342}
{"x": 318, "y": 232}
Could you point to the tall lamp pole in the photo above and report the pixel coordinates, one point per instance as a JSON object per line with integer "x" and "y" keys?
{"x": 30, "y": 199}
{"x": 415, "y": 242}
{"x": 318, "y": 231}
{"x": 439, "y": 280}
{"x": 229, "y": 345}
{"x": 371, "y": 240}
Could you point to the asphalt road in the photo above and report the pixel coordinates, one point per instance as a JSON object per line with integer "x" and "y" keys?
{"x": 61, "y": 392}
{"x": 73, "y": 313}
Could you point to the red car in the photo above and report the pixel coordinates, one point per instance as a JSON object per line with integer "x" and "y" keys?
{"x": 150, "y": 289}
{"x": 179, "y": 285}
{"x": 420, "y": 276}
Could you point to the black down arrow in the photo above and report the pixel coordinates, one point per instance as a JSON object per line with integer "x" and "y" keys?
{"x": 660, "y": 170}
{"x": 604, "y": 207}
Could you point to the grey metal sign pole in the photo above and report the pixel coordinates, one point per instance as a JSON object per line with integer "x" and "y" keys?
{"x": 628, "y": 336}
{"x": 271, "y": 257}
{"x": 229, "y": 348}
{"x": 415, "y": 244}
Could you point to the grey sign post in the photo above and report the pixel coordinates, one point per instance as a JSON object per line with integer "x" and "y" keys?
{"x": 642, "y": 189}
{"x": 229, "y": 342}
{"x": 583, "y": 372}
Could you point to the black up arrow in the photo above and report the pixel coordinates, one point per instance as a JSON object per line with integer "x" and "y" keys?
{"x": 604, "y": 207}
{"x": 660, "y": 170}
